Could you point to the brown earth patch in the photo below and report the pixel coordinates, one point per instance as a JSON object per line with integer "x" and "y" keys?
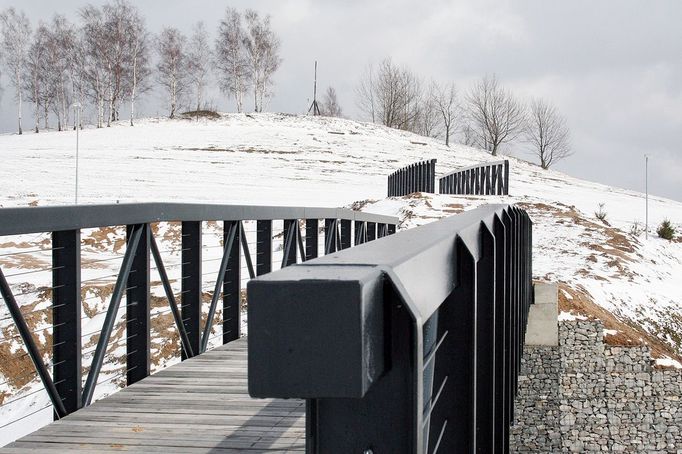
{"x": 628, "y": 332}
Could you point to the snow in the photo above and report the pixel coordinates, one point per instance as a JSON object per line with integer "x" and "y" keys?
{"x": 276, "y": 159}
{"x": 668, "y": 362}
{"x": 569, "y": 317}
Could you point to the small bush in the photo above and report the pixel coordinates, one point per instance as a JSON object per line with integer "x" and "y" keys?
{"x": 211, "y": 114}
{"x": 666, "y": 230}
{"x": 636, "y": 229}
{"x": 600, "y": 213}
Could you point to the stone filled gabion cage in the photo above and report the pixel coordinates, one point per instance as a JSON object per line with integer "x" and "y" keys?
{"x": 586, "y": 396}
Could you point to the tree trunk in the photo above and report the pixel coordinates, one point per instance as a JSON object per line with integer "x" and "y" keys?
{"x": 20, "y": 130}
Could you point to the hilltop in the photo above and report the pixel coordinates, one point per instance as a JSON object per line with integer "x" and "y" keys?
{"x": 604, "y": 270}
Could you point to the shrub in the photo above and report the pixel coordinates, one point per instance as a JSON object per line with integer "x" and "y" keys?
{"x": 636, "y": 229}
{"x": 600, "y": 213}
{"x": 666, "y": 230}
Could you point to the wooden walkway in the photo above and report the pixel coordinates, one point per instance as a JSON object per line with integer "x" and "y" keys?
{"x": 198, "y": 406}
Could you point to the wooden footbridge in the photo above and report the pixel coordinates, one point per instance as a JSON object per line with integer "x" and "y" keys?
{"x": 405, "y": 343}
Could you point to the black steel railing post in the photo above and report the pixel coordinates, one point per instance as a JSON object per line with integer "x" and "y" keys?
{"x": 311, "y": 238}
{"x": 485, "y": 343}
{"x": 66, "y": 318}
{"x": 263, "y": 247}
{"x": 138, "y": 341}
{"x": 506, "y": 178}
{"x": 232, "y": 285}
{"x": 289, "y": 246}
{"x": 346, "y": 233}
{"x": 371, "y": 231}
{"x": 191, "y": 282}
{"x": 330, "y": 236}
{"x": 501, "y": 364}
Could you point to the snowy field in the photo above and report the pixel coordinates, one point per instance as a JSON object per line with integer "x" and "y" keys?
{"x": 271, "y": 159}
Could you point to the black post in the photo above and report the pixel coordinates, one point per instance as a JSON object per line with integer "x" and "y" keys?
{"x": 359, "y": 232}
{"x": 138, "y": 342}
{"x": 371, "y": 228}
{"x": 263, "y": 247}
{"x": 506, "y": 178}
{"x": 231, "y": 286}
{"x": 330, "y": 239}
{"x": 289, "y": 242}
{"x": 66, "y": 318}
{"x": 311, "y": 238}
{"x": 191, "y": 282}
{"x": 345, "y": 233}
{"x": 485, "y": 344}
{"x": 501, "y": 348}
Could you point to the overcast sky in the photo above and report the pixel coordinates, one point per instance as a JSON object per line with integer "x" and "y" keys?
{"x": 614, "y": 68}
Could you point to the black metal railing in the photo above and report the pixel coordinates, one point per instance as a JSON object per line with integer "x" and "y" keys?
{"x": 167, "y": 269}
{"x": 409, "y": 344}
{"x": 491, "y": 178}
{"x": 417, "y": 177}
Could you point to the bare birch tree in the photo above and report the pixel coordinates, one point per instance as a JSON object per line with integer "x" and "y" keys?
{"x": 364, "y": 93}
{"x": 16, "y": 41}
{"x": 330, "y": 104}
{"x": 430, "y": 123}
{"x": 445, "y": 99}
{"x": 199, "y": 58}
{"x": 94, "y": 42}
{"x": 262, "y": 49}
{"x": 35, "y": 82}
{"x": 391, "y": 95}
{"x": 231, "y": 59}
{"x": 547, "y": 133}
{"x": 172, "y": 66}
{"x": 137, "y": 61}
{"x": 496, "y": 115}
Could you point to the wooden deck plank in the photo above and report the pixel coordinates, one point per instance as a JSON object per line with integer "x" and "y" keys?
{"x": 197, "y": 406}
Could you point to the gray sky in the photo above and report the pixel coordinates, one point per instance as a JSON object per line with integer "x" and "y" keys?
{"x": 614, "y": 68}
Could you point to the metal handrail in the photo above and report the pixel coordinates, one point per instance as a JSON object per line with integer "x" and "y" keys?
{"x": 15, "y": 221}
{"x": 406, "y": 344}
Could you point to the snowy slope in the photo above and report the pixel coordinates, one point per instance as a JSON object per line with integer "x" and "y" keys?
{"x": 289, "y": 160}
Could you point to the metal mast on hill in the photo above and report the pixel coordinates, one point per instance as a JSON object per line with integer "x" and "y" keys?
{"x": 314, "y": 107}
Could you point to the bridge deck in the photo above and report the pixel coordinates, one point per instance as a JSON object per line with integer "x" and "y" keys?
{"x": 198, "y": 406}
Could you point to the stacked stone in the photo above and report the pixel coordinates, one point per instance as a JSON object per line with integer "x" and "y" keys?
{"x": 583, "y": 404}
{"x": 537, "y": 402}
{"x": 587, "y": 397}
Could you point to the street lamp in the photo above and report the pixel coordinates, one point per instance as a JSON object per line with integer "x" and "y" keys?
{"x": 646, "y": 186}
{"x": 77, "y": 114}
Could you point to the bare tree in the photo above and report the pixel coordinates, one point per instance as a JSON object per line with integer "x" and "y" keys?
{"x": 199, "y": 57}
{"x": 497, "y": 116}
{"x": 445, "y": 99}
{"x": 36, "y": 84}
{"x": 231, "y": 58}
{"x": 391, "y": 95}
{"x": 137, "y": 49}
{"x": 94, "y": 44}
{"x": 262, "y": 48}
{"x": 60, "y": 47}
{"x": 330, "y": 104}
{"x": 16, "y": 41}
{"x": 547, "y": 133}
{"x": 364, "y": 93}
{"x": 172, "y": 66}
{"x": 430, "y": 122}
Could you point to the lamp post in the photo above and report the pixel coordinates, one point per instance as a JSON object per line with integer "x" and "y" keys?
{"x": 77, "y": 113}
{"x": 646, "y": 186}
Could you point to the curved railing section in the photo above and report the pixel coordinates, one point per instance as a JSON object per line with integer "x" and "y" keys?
{"x": 409, "y": 344}
{"x": 491, "y": 178}
{"x": 417, "y": 177}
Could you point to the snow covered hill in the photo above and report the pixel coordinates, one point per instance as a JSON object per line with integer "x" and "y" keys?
{"x": 604, "y": 270}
